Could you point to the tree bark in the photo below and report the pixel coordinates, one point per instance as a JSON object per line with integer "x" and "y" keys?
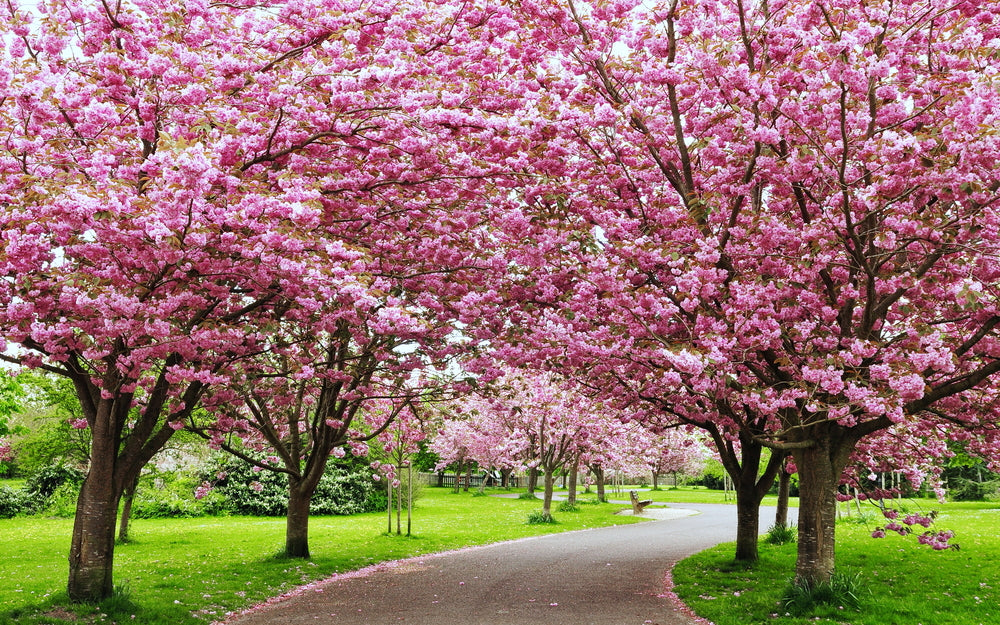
{"x": 532, "y": 480}
{"x": 742, "y": 464}
{"x": 599, "y": 483}
{"x": 549, "y": 486}
{"x": 126, "y": 517}
{"x": 820, "y": 467}
{"x": 747, "y": 522}
{"x": 92, "y": 549}
{"x": 574, "y": 473}
{"x": 656, "y": 481}
{"x": 297, "y": 520}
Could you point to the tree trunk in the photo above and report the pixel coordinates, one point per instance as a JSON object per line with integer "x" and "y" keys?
{"x": 820, "y": 468}
{"x": 574, "y": 473}
{"x": 440, "y": 482}
{"x": 747, "y": 521}
{"x": 656, "y": 481}
{"x": 532, "y": 480}
{"x": 297, "y": 520}
{"x": 458, "y": 477}
{"x": 92, "y": 549}
{"x": 399, "y": 508}
{"x": 599, "y": 483}
{"x": 127, "y": 511}
{"x": 784, "y": 484}
{"x": 547, "y": 496}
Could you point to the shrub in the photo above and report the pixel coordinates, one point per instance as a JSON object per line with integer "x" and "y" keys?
{"x": 44, "y": 482}
{"x": 568, "y": 507}
{"x": 341, "y": 490}
{"x": 12, "y": 502}
{"x": 62, "y": 502}
{"x": 527, "y": 496}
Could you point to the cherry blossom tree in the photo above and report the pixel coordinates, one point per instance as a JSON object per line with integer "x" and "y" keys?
{"x": 300, "y": 413}
{"x": 398, "y": 444}
{"x": 672, "y": 451}
{"x": 176, "y": 178}
{"x": 522, "y": 420}
{"x": 774, "y": 219}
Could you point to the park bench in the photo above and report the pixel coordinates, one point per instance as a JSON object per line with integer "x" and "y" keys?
{"x": 637, "y": 505}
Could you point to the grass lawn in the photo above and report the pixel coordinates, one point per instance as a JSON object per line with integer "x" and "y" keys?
{"x": 178, "y": 571}
{"x": 903, "y": 583}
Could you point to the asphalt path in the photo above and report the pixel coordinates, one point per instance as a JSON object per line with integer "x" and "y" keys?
{"x": 604, "y": 576}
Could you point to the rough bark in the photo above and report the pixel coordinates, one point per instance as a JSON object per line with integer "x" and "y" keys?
{"x": 820, "y": 467}
{"x": 297, "y": 519}
{"x": 92, "y": 548}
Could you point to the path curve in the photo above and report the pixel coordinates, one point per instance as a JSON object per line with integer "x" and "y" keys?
{"x": 604, "y": 576}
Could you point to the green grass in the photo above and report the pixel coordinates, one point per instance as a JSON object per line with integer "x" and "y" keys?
{"x": 906, "y": 583}
{"x": 178, "y": 571}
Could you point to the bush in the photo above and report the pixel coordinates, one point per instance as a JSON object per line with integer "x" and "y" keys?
{"x": 44, "y": 482}
{"x": 12, "y": 502}
{"x": 568, "y": 507}
{"x": 159, "y": 499}
{"x": 961, "y": 489}
{"x": 341, "y": 490}
{"x": 62, "y": 502}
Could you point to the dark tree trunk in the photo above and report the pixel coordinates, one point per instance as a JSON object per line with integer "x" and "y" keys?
{"x": 574, "y": 473}
{"x": 747, "y": 523}
{"x": 598, "y": 472}
{"x": 126, "y": 518}
{"x": 820, "y": 467}
{"x": 742, "y": 464}
{"x": 468, "y": 478}
{"x": 784, "y": 484}
{"x": 656, "y": 481}
{"x": 549, "y": 485}
{"x": 440, "y": 482}
{"x": 297, "y": 519}
{"x": 92, "y": 549}
{"x": 532, "y": 480}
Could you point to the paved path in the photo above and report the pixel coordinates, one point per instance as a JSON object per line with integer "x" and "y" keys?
{"x": 605, "y": 576}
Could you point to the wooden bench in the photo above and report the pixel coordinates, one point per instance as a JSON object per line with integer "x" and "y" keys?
{"x": 637, "y": 505}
